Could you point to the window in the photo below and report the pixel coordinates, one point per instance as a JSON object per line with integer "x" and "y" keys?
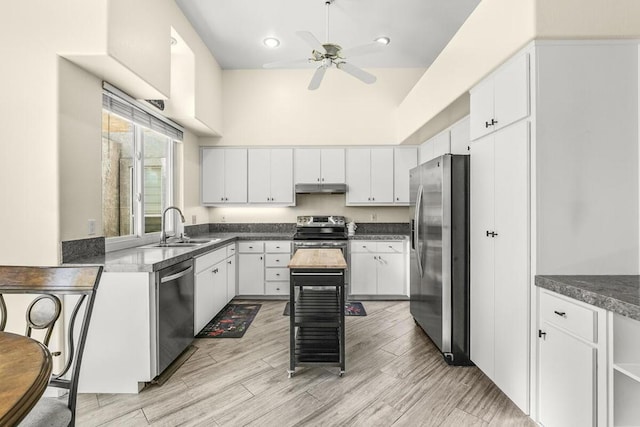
{"x": 137, "y": 169}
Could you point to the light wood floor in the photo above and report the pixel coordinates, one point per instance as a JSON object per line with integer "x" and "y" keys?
{"x": 394, "y": 377}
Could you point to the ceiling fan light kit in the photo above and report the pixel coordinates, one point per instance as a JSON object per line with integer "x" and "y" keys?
{"x": 328, "y": 54}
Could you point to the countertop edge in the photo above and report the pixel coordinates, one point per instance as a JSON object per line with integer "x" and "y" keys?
{"x": 606, "y": 302}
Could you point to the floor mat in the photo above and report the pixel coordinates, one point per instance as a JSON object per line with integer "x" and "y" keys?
{"x": 232, "y": 322}
{"x": 350, "y": 309}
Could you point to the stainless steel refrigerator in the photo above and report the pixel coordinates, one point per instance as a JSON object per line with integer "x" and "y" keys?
{"x": 439, "y": 217}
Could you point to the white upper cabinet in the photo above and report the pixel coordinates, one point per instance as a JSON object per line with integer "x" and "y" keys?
{"x": 271, "y": 176}
{"x": 435, "y": 146}
{"x": 223, "y": 175}
{"x": 460, "y": 137}
{"x": 315, "y": 165}
{"x": 370, "y": 176}
{"x": 501, "y": 98}
{"x": 403, "y": 161}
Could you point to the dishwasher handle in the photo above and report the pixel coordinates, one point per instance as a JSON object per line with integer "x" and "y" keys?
{"x": 177, "y": 275}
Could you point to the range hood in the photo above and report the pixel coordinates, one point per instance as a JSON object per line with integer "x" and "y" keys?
{"x": 321, "y": 188}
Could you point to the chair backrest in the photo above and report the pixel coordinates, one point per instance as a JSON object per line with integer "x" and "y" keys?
{"x": 43, "y": 312}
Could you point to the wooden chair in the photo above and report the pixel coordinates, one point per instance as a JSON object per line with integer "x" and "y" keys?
{"x": 42, "y": 313}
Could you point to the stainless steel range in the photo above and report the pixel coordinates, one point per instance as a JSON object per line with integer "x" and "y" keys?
{"x": 322, "y": 232}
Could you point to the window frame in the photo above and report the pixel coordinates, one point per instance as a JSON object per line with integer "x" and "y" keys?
{"x": 139, "y": 237}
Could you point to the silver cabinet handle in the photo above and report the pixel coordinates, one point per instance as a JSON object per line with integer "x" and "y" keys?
{"x": 177, "y": 275}
{"x": 215, "y": 271}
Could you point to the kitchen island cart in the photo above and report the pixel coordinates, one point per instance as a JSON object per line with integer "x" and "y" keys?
{"x": 316, "y": 301}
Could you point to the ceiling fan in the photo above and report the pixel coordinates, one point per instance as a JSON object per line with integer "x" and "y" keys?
{"x": 329, "y": 54}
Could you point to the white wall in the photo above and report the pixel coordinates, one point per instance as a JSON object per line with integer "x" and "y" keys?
{"x": 274, "y": 107}
{"x": 80, "y": 157}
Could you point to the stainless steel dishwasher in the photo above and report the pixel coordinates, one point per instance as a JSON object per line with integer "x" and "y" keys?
{"x": 174, "y": 312}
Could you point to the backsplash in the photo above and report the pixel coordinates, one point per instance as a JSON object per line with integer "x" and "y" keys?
{"x": 382, "y": 228}
{"x": 252, "y": 228}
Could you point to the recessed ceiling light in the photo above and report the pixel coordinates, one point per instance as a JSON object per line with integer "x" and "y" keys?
{"x": 271, "y": 42}
{"x": 383, "y": 40}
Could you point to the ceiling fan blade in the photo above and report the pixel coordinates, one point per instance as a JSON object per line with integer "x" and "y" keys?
{"x": 311, "y": 40}
{"x": 287, "y": 63}
{"x": 356, "y": 72}
{"x": 317, "y": 78}
{"x": 364, "y": 49}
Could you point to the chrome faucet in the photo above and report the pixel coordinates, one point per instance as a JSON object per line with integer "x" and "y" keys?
{"x": 163, "y": 233}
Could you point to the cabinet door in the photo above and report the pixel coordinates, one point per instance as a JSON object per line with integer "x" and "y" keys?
{"x": 481, "y": 106}
{"x": 511, "y": 92}
{"x": 404, "y": 160}
{"x": 282, "y": 175}
{"x": 204, "y": 296}
{"x": 441, "y": 144}
{"x": 212, "y": 175}
{"x": 391, "y": 274}
{"x": 358, "y": 175}
{"x": 482, "y": 306}
{"x": 235, "y": 175}
{"x": 259, "y": 176}
{"x": 251, "y": 274}
{"x": 307, "y": 165}
{"x": 332, "y": 165}
{"x": 363, "y": 274}
{"x": 382, "y": 175}
{"x": 460, "y": 138}
{"x": 511, "y": 275}
{"x": 566, "y": 372}
{"x": 425, "y": 152}
{"x": 231, "y": 278}
{"x": 219, "y": 284}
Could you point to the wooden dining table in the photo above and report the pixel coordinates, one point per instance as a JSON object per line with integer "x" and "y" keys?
{"x": 25, "y": 368}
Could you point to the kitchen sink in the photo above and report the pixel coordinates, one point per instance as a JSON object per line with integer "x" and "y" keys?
{"x": 187, "y": 243}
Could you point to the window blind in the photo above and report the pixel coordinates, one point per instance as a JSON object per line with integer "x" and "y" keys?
{"x": 124, "y": 106}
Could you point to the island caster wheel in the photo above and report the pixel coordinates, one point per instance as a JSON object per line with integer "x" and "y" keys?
{"x": 341, "y": 374}
{"x": 291, "y": 373}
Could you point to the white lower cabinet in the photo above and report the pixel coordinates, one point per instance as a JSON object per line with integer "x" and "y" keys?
{"x": 250, "y": 274}
{"x": 571, "y": 362}
{"x": 231, "y": 277}
{"x": 262, "y": 267}
{"x": 624, "y": 375}
{"x": 213, "y": 272}
{"x": 378, "y": 268}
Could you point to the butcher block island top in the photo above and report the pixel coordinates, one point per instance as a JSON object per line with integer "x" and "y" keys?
{"x": 318, "y": 258}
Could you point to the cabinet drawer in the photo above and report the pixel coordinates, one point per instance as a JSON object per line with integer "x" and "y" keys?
{"x": 277, "y": 288}
{"x": 277, "y": 246}
{"x": 277, "y": 274}
{"x": 364, "y": 246}
{"x": 574, "y": 318}
{"x": 209, "y": 259}
{"x": 277, "y": 260}
{"x": 390, "y": 247}
{"x": 250, "y": 247}
{"x": 231, "y": 250}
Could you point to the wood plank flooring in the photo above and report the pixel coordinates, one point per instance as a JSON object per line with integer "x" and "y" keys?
{"x": 394, "y": 377}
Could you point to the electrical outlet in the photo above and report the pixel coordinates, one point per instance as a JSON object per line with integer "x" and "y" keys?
{"x": 224, "y": 218}
{"x": 91, "y": 225}
{"x": 194, "y": 219}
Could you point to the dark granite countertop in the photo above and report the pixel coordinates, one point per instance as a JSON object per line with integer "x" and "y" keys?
{"x": 141, "y": 259}
{"x": 379, "y": 237}
{"x": 619, "y": 294}
{"x": 145, "y": 259}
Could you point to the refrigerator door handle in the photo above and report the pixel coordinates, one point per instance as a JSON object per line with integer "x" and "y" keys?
{"x": 416, "y": 236}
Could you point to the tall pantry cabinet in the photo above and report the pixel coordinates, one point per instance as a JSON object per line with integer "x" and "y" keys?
{"x": 554, "y": 190}
{"x": 500, "y": 230}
